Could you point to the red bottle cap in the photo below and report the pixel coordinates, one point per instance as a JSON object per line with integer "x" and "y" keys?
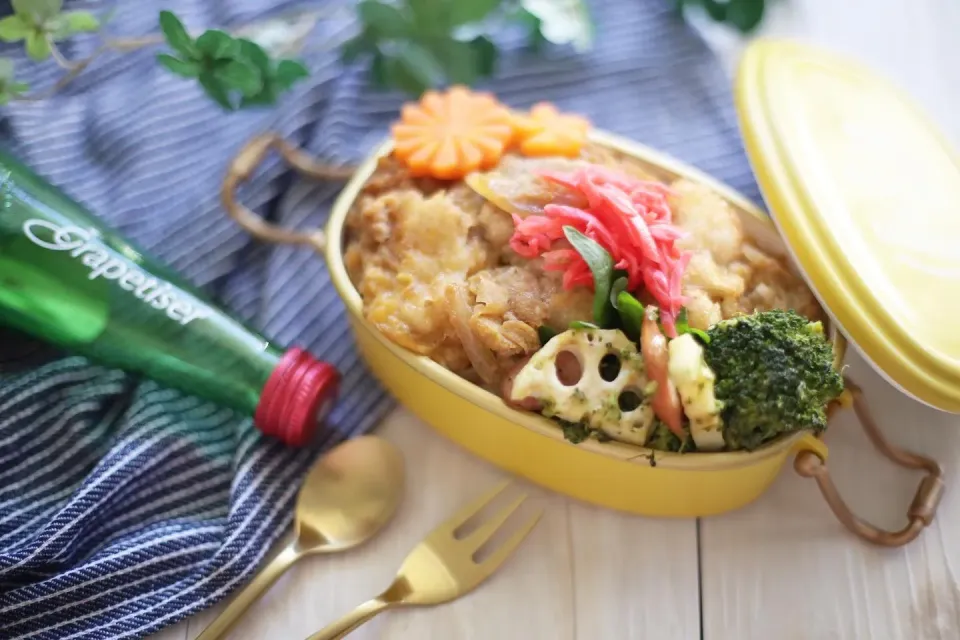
{"x": 297, "y": 396}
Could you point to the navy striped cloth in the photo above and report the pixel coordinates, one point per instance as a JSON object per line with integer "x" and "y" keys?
{"x": 125, "y": 507}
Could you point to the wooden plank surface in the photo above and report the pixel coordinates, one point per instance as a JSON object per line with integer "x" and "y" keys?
{"x": 784, "y": 568}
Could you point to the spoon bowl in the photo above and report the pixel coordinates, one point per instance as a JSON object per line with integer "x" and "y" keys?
{"x": 346, "y": 498}
{"x": 349, "y": 495}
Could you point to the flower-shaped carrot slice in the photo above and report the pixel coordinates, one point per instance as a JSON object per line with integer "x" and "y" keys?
{"x": 547, "y": 132}
{"x": 448, "y": 135}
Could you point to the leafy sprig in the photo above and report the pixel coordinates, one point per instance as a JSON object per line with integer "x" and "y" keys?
{"x": 743, "y": 15}
{"x": 10, "y": 89}
{"x": 235, "y": 72}
{"x": 413, "y": 45}
{"x": 601, "y": 266}
{"x": 42, "y": 23}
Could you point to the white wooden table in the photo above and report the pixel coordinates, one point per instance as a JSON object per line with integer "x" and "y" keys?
{"x": 782, "y": 568}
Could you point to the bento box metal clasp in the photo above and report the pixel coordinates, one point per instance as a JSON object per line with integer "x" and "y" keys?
{"x": 811, "y": 453}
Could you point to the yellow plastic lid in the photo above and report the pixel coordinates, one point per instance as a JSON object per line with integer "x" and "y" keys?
{"x": 867, "y": 196}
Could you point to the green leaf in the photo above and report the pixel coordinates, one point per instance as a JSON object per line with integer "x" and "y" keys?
{"x": 80, "y": 21}
{"x": 357, "y": 46}
{"x": 385, "y": 20}
{"x": 619, "y": 285}
{"x": 9, "y": 87}
{"x": 536, "y": 42}
{"x": 397, "y": 74}
{"x": 13, "y": 28}
{"x": 464, "y": 11}
{"x": 218, "y": 45}
{"x": 266, "y": 97}
{"x": 242, "y": 76}
{"x": 67, "y": 24}
{"x": 545, "y": 334}
{"x": 485, "y": 54}
{"x": 38, "y": 10}
{"x": 289, "y": 72}
{"x": 47, "y": 8}
{"x": 431, "y": 17}
{"x": 631, "y": 314}
{"x": 176, "y": 35}
{"x": 683, "y": 326}
{"x": 184, "y": 68}
{"x": 413, "y": 69}
{"x": 716, "y": 9}
{"x": 254, "y": 53}
{"x": 211, "y": 85}
{"x": 22, "y": 7}
{"x": 580, "y": 324}
{"x": 745, "y": 15}
{"x": 458, "y": 59}
{"x": 37, "y": 46}
{"x": 252, "y": 62}
{"x": 378, "y": 69}
{"x": 6, "y": 69}
{"x": 601, "y": 265}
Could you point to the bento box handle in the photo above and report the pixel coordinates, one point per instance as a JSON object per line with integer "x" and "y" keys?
{"x": 242, "y": 168}
{"x": 924, "y": 506}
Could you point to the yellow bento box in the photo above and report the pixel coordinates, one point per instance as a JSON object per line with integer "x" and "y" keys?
{"x": 802, "y": 116}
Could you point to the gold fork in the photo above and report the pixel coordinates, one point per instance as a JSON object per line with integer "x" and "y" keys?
{"x": 442, "y": 567}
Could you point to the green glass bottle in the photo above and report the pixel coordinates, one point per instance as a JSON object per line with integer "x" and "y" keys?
{"x": 69, "y": 280}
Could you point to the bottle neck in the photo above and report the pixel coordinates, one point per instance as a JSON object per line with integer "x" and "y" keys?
{"x": 296, "y": 398}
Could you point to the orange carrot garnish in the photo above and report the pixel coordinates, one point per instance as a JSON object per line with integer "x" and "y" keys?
{"x": 547, "y": 132}
{"x": 448, "y": 135}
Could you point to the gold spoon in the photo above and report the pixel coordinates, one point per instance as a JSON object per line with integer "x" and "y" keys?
{"x": 348, "y": 496}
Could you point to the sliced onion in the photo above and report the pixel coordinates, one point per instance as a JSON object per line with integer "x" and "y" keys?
{"x": 482, "y": 359}
{"x": 515, "y": 185}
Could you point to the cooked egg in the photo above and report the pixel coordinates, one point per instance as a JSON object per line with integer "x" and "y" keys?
{"x": 694, "y": 379}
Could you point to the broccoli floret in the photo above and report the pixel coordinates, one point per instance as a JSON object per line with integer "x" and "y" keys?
{"x": 575, "y": 432}
{"x": 662, "y": 439}
{"x": 775, "y": 375}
